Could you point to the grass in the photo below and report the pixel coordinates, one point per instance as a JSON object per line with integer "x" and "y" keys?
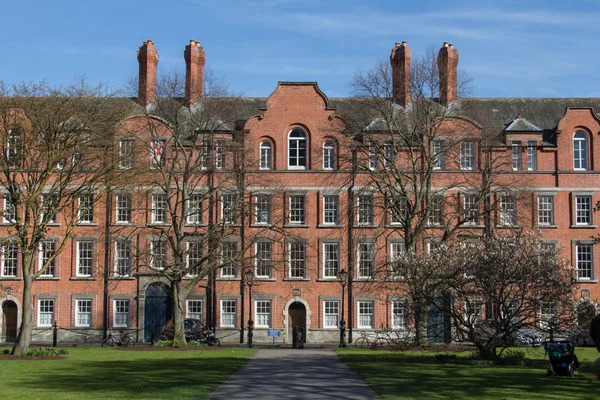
{"x": 421, "y": 375}
{"x": 101, "y": 373}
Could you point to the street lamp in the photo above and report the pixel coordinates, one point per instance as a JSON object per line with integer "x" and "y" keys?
{"x": 250, "y": 282}
{"x": 343, "y": 277}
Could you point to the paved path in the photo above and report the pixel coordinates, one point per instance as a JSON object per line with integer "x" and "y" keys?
{"x": 285, "y": 373}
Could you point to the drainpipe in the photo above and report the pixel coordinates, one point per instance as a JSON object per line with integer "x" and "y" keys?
{"x": 105, "y": 302}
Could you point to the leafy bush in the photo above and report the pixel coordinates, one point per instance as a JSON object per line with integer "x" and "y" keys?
{"x": 195, "y": 343}
{"x": 44, "y": 352}
{"x": 6, "y": 351}
{"x": 175, "y": 343}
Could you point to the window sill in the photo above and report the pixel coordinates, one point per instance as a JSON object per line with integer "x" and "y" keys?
{"x": 261, "y": 225}
{"x": 508, "y": 226}
{"x": 584, "y": 226}
{"x": 296, "y": 226}
{"x": 158, "y": 224}
{"x": 123, "y": 223}
{"x": 231, "y": 224}
{"x": 87, "y": 224}
{"x": 48, "y": 278}
{"x": 474, "y": 226}
{"x": 121, "y": 278}
{"x": 296, "y": 279}
{"x": 195, "y": 224}
{"x": 546, "y": 226}
{"x": 83, "y": 278}
{"x": 332, "y": 279}
{"x": 586, "y": 280}
{"x": 330, "y": 226}
{"x": 11, "y": 278}
{"x": 225, "y": 278}
{"x": 369, "y": 226}
{"x": 258, "y": 278}
{"x": 52, "y": 224}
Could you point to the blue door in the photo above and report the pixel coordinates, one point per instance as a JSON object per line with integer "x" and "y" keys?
{"x": 436, "y": 324}
{"x": 157, "y": 311}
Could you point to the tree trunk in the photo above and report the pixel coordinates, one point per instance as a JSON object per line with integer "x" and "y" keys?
{"x": 24, "y": 336}
{"x": 179, "y": 296}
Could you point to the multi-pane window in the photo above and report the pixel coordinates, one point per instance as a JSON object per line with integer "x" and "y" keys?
{"x": 264, "y": 259}
{"x": 158, "y": 153}
{"x": 366, "y": 260}
{"x": 474, "y": 310}
{"x": 331, "y": 260}
{"x": 85, "y": 257}
{"x": 86, "y": 208}
{"x": 297, "y": 149}
{"x": 467, "y": 156}
{"x": 297, "y": 214}
{"x": 205, "y": 160}
{"x": 263, "y": 313}
{"x": 373, "y": 157}
{"x": 194, "y": 309}
{"x": 228, "y": 313}
{"x": 229, "y": 211}
{"x": 123, "y": 257}
{"x": 195, "y": 253}
{"x": 14, "y": 151}
{"x": 531, "y": 156}
{"x": 194, "y": 209}
{"x": 266, "y": 155}
{"x": 517, "y": 157}
{"x": 389, "y": 155}
{"x": 121, "y": 313}
{"x": 330, "y": 210}
{"x": 158, "y": 254}
{"x": 331, "y": 314}
{"x": 545, "y": 210}
{"x": 297, "y": 259}
{"x": 548, "y": 314}
{"x": 580, "y": 151}
{"x": 584, "y": 261}
{"x": 397, "y": 249}
{"x": 49, "y": 203}
{"x": 329, "y": 155}
{"x": 263, "y": 209}
{"x": 47, "y": 250}
{"x": 159, "y": 208}
{"x": 126, "y": 153}
{"x": 123, "y": 208}
{"x": 10, "y": 254}
{"x": 9, "y": 209}
{"x": 437, "y": 154}
{"x": 399, "y": 314}
{"x": 398, "y": 210}
{"x": 583, "y": 210}
{"x": 471, "y": 209}
{"x": 228, "y": 259}
{"x": 220, "y": 155}
{"x": 365, "y": 209}
{"x": 45, "y": 312}
{"x": 436, "y": 210}
{"x": 508, "y": 210}
{"x": 83, "y": 313}
{"x": 365, "y": 314}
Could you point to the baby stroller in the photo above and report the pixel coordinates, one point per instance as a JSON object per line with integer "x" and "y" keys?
{"x": 561, "y": 357}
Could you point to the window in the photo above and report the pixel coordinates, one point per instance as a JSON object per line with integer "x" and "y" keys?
{"x": 158, "y": 254}
{"x": 49, "y": 202}
{"x": 47, "y": 250}
{"x": 229, "y": 259}
{"x": 194, "y": 309}
{"x": 121, "y": 313}
{"x": 331, "y": 314}
{"x": 220, "y": 155}
{"x": 548, "y": 315}
{"x": 76, "y": 161}
{"x": 399, "y": 314}
{"x": 397, "y": 249}
{"x": 365, "y": 209}
{"x": 263, "y": 209}
{"x": 297, "y": 209}
{"x": 85, "y": 257}
{"x": 399, "y": 210}
{"x": 126, "y": 153}
{"x": 508, "y": 211}
{"x": 205, "y": 160}
{"x": 389, "y": 153}
{"x": 229, "y": 211}
{"x": 436, "y": 211}
{"x": 297, "y": 259}
{"x": 263, "y": 313}
{"x": 194, "y": 211}
{"x": 10, "y": 215}
{"x": 531, "y": 156}
{"x": 45, "y": 312}
{"x": 264, "y": 259}
{"x": 545, "y": 210}
{"x": 583, "y": 210}
{"x": 14, "y": 148}
{"x": 228, "y": 313}
{"x": 123, "y": 208}
{"x": 10, "y": 260}
{"x": 297, "y": 149}
{"x": 471, "y": 209}
{"x": 83, "y": 312}
{"x": 365, "y": 314}
{"x": 329, "y": 155}
{"x": 366, "y": 260}
{"x": 584, "y": 261}
{"x": 580, "y": 151}
{"x": 373, "y": 157}
{"x": 437, "y": 153}
{"x": 123, "y": 257}
{"x": 330, "y": 210}
{"x": 86, "y": 208}
{"x": 474, "y": 310}
{"x": 158, "y": 153}
{"x": 331, "y": 260}
{"x": 266, "y": 155}
{"x": 159, "y": 208}
{"x": 517, "y": 158}
{"x": 195, "y": 253}
{"x": 467, "y": 156}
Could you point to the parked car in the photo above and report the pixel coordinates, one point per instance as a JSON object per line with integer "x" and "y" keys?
{"x": 193, "y": 329}
{"x": 527, "y": 336}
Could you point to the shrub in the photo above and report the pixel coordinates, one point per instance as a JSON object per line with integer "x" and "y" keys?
{"x": 44, "y": 352}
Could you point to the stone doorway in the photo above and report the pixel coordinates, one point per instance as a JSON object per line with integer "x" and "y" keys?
{"x": 297, "y": 317}
{"x": 9, "y": 321}
{"x": 158, "y": 309}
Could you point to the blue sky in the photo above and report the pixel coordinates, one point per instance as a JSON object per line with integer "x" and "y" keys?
{"x": 510, "y": 48}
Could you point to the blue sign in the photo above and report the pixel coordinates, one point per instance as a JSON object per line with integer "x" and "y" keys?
{"x": 273, "y": 333}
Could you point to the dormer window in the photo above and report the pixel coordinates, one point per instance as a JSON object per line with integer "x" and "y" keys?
{"x": 580, "y": 151}
{"x": 297, "y": 153}
{"x": 266, "y": 155}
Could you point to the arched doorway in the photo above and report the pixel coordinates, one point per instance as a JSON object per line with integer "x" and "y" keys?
{"x": 157, "y": 310}
{"x": 9, "y": 321}
{"x": 297, "y": 315}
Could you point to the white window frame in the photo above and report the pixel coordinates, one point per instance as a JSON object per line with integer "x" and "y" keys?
{"x": 330, "y": 209}
{"x": 159, "y": 208}
{"x": 85, "y": 210}
{"x": 194, "y": 254}
{"x": 297, "y": 259}
{"x": 295, "y": 143}
{"x": 231, "y": 313}
{"x": 121, "y": 312}
{"x": 583, "y": 209}
{"x": 581, "y": 160}
{"x": 297, "y": 209}
{"x": 194, "y": 209}
{"x": 158, "y": 254}
{"x": 389, "y": 153}
{"x": 220, "y": 159}
{"x": 263, "y": 255}
{"x": 229, "y": 212}
{"x": 331, "y": 260}
{"x": 436, "y": 211}
{"x": 9, "y": 214}
{"x": 266, "y": 155}
{"x": 229, "y": 268}
{"x": 545, "y": 212}
{"x": 85, "y": 258}
{"x": 584, "y": 261}
{"x": 508, "y": 210}
{"x": 194, "y": 308}
{"x": 532, "y": 155}
{"x": 83, "y": 312}
{"x": 364, "y": 263}
{"x": 123, "y": 209}
{"x": 331, "y": 314}
{"x": 439, "y": 161}
{"x": 373, "y": 157}
{"x": 467, "y": 155}
{"x": 45, "y": 199}
{"x": 400, "y": 314}
{"x": 10, "y": 263}
{"x": 329, "y": 155}
{"x": 262, "y": 206}
{"x": 471, "y": 209}
{"x": 51, "y": 270}
{"x": 158, "y": 153}
{"x": 396, "y": 251}
{"x": 364, "y": 310}
{"x": 517, "y": 157}
{"x": 46, "y": 312}
{"x": 121, "y": 263}
{"x": 364, "y": 209}
{"x": 126, "y": 152}
{"x": 262, "y": 313}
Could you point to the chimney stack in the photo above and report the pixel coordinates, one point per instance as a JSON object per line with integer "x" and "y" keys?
{"x": 148, "y": 59}
{"x": 400, "y": 60}
{"x": 448, "y": 67}
{"x": 194, "y": 71}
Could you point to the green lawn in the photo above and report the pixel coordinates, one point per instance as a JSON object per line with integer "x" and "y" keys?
{"x": 111, "y": 373}
{"x": 420, "y": 375}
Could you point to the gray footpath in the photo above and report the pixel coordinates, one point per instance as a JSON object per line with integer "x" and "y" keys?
{"x": 285, "y": 373}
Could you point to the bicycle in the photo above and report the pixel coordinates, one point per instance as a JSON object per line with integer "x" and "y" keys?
{"x": 121, "y": 341}
{"x": 366, "y": 341}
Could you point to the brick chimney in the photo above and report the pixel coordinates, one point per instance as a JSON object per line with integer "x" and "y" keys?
{"x": 400, "y": 60}
{"x": 148, "y": 59}
{"x": 194, "y": 71}
{"x": 448, "y": 66}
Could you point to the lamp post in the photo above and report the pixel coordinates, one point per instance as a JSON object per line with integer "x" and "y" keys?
{"x": 343, "y": 277}
{"x": 250, "y": 282}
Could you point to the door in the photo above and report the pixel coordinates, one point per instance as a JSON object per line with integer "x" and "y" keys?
{"x": 297, "y": 312}
{"x": 9, "y": 321}
{"x": 436, "y": 324}
{"x": 157, "y": 311}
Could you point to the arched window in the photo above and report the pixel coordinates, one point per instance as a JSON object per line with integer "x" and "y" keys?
{"x": 297, "y": 149}
{"x": 329, "y": 155}
{"x": 266, "y": 155}
{"x": 580, "y": 151}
